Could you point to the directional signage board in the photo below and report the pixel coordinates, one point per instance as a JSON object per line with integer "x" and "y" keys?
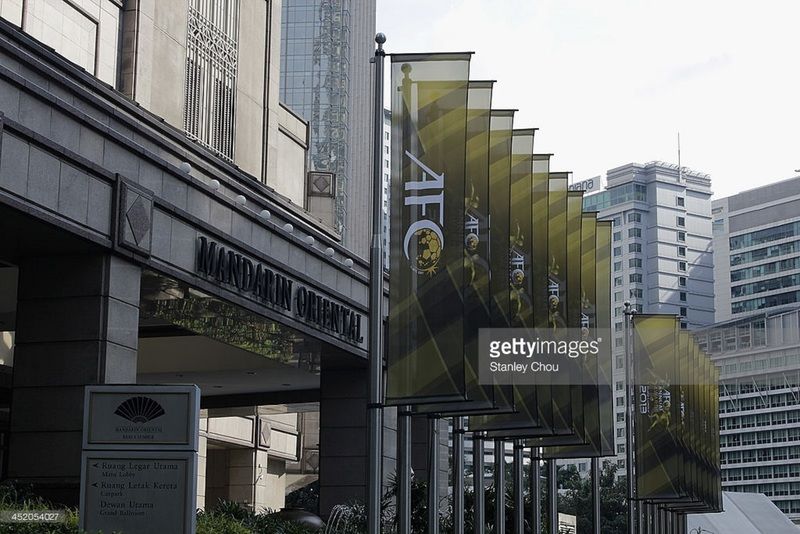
{"x": 139, "y": 461}
{"x": 138, "y": 492}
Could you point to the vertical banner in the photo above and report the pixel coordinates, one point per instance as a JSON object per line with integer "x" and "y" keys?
{"x": 426, "y": 329}
{"x": 557, "y": 287}
{"x": 657, "y": 470}
{"x": 476, "y": 291}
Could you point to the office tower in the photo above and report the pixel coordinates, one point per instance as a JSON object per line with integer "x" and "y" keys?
{"x": 661, "y": 253}
{"x": 757, "y": 249}
{"x": 326, "y": 78}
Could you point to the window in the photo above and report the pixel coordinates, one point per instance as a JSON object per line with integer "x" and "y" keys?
{"x": 618, "y": 342}
{"x": 680, "y": 201}
{"x": 211, "y": 66}
{"x": 386, "y": 163}
{"x": 635, "y": 278}
{"x": 616, "y": 221}
{"x": 635, "y": 247}
{"x": 620, "y": 417}
{"x": 617, "y": 266}
{"x": 681, "y": 236}
{"x": 617, "y": 296}
{"x": 617, "y": 236}
{"x": 618, "y": 327}
{"x": 620, "y": 362}
{"x": 684, "y": 325}
{"x": 620, "y": 431}
{"x": 634, "y": 232}
{"x": 386, "y": 135}
{"x": 617, "y": 251}
{"x": 683, "y": 311}
{"x": 682, "y": 296}
{"x": 636, "y": 293}
{"x": 634, "y": 217}
{"x": 386, "y": 149}
{"x": 621, "y": 448}
{"x": 682, "y": 266}
{"x": 618, "y": 386}
{"x": 682, "y": 252}
{"x": 680, "y": 221}
{"x": 635, "y": 262}
{"x": 617, "y": 281}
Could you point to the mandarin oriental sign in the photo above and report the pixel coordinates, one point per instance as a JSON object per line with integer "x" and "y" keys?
{"x": 263, "y": 284}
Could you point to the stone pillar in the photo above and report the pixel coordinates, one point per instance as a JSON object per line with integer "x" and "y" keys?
{"x": 343, "y": 437}
{"x": 77, "y": 324}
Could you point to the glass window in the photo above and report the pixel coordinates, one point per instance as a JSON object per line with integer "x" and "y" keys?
{"x": 680, "y": 201}
{"x": 617, "y": 236}
{"x": 682, "y": 252}
{"x": 617, "y": 251}
{"x": 635, "y": 262}
{"x": 682, "y": 296}
{"x": 617, "y": 266}
{"x": 635, "y": 247}
{"x": 616, "y": 221}
{"x": 682, "y": 236}
{"x": 634, "y": 217}
{"x": 617, "y": 281}
{"x": 636, "y": 278}
{"x": 765, "y": 236}
{"x": 680, "y": 221}
{"x": 620, "y": 417}
{"x": 636, "y": 293}
{"x": 683, "y": 311}
{"x": 617, "y": 296}
{"x": 634, "y": 232}
{"x": 682, "y": 281}
{"x": 682, "y": 266}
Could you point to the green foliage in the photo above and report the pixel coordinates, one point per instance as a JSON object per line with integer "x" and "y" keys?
{"x": 238, "y": 519}
{"x": 577, "y": 501}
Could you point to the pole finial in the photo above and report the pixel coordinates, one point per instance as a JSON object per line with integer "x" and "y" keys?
{"x": 380, "y": 38}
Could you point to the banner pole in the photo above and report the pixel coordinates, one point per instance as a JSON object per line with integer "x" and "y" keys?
{"x": 629, "y": 429}
{"x": 552, "y": 483}
{"x": 404, "y": 470}
{"x": 375, "y": 407}
{"x": 519, "y": 491}
{"x": 596, "y": 495}
{"x": 433, "y": 475}
{"x": 458, "y": 475}
{"x": 499, "y": 487}
{"x": 479, "y": 489}
{"x": 536, "y": 492}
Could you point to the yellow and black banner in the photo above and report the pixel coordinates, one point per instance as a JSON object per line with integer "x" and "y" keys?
{"x": 657, "y": 409}
{"x": 426, "y": 320}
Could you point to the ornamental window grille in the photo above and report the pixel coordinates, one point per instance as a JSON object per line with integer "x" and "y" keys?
{"x": 211, "y": 65}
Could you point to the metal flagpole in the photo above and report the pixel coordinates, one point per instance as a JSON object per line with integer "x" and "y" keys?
{"x": 519, "y": 495}
{"x": 552, "y": 484}
{"x": 632, "y": 515}
{"x": 458, "y": 475}
{"x": 404, "y": 470}
{"x": 596, "y": 495}
{"x": 536, "y": 492}
{"x": 375, "y": 407}
{"x": 499, "y": 487}
{"x": 479, "y": 489}
{"x": 433, "y": 475}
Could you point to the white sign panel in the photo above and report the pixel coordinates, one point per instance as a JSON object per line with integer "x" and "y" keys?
{"x": 588, "y": 186}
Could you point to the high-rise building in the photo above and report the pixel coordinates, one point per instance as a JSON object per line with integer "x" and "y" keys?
{"x": 758, "y": 356}
{"x": 326, "y": 78}
{"x": 661, "y": 253}
{"x": 757, "y": 249}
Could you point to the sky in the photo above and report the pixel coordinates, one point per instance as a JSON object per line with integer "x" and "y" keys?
{"x": 609, "y": 82}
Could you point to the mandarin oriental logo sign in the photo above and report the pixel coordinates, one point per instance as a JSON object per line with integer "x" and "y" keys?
{"x": 425, "y": 197}
{"x": 139, "y": 410}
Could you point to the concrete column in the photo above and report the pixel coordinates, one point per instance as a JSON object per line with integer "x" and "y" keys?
{"x": 343, "y": 437}
{"x": 77, "y": 324}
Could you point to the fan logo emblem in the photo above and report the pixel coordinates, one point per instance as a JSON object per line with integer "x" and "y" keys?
{"x": 139, "y": 410}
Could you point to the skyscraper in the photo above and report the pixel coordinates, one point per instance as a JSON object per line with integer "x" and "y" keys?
{"x": 661, "y": 253}
{"x": 326, "y": 78}
{"x": 757, "y": 249}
